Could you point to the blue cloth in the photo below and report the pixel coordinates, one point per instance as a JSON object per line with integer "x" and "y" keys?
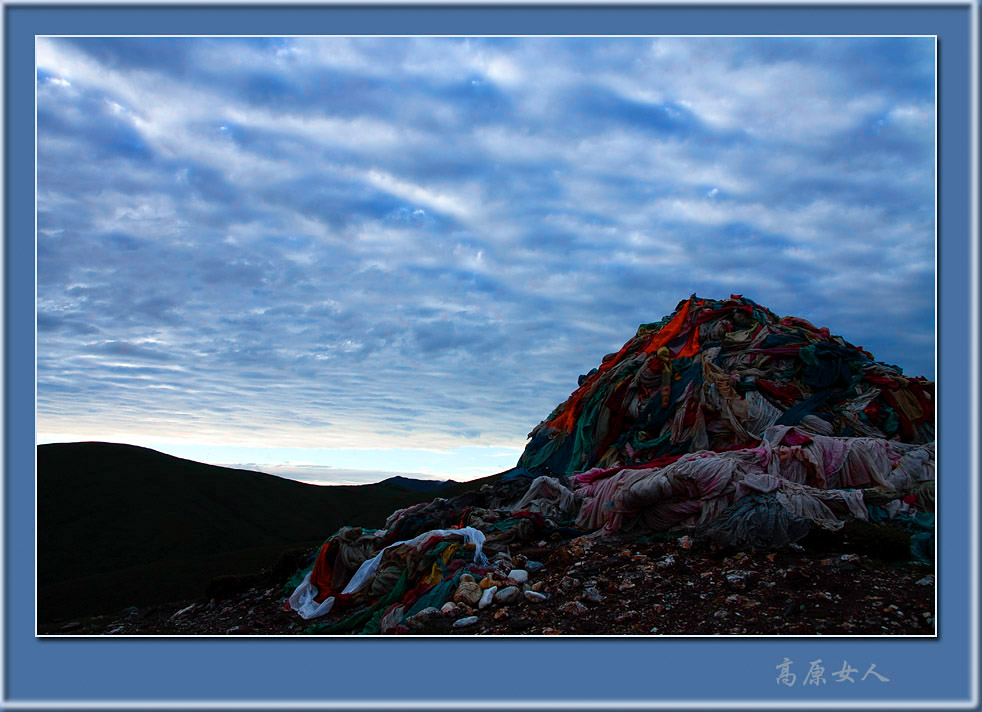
{"x": 516, "y": 472}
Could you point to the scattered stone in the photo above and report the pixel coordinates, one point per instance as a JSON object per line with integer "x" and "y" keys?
{"x": 500, "y": 614}
{"x": 424, "y": 619}
{"x": 551, "y": 631}
{"x": 685, "y": 542}
{"x": 627, "y": 616}
{"x": 592, "y": 595}
{"x": 507, "y": 595}
{"x": 468, "y": 593}
{"x": 487, "y": 582}
{"x": 464, "y": 622}
{"x": 533, "y": 566}
{"x": 573, "y": 608}
{"x": 739, "y": 580}
{"x": 467, "y": 578}
{"x": 519, "y": 576}
{"x": 450, "y": 610}
{"x": 539, "y": 586}
{"x": 926, "y": 581}
{"x": 535, "y": 596}
{"x": 568, "y": 583}
{"x": 487, "y": 597}
{"x": 666, "y": 562}
{"x": 519, "y": 560}
{"x": 239, "y": 630}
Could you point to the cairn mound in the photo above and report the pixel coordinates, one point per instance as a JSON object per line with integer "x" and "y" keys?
{"x": 721, "y": 421}
{"x": 714, "y": 375}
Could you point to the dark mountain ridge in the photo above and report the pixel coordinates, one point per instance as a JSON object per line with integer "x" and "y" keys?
{"x": 417, "y": 485}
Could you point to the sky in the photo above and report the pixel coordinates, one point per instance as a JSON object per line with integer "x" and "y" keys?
{"x": 336, "y": 259}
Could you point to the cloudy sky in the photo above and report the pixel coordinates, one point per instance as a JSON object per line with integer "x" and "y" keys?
{"x": 339, "y": 258}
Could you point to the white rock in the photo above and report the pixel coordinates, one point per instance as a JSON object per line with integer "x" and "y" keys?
{"x": 464, "y": 622}
{"x": 487, "y": 597}
{"x": 518, "y": 575}
{"x": 509, "y": 594}
{"x": 535, "y": 596}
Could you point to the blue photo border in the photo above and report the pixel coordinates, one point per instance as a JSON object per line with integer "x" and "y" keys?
{"x": 607, "y": 673}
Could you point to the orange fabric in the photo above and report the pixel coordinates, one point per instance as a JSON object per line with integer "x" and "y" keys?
{"x": 670, "y": 330}
{"x": 564, "y": 421}
{"x": 691, "y": 347}
{"x": 567, "y": 418}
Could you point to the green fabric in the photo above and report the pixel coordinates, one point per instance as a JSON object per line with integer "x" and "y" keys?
{"x": 585, "y": 431}
{"x": 892, "y": 422}
{"x": 919, "y": 524}
{"x": 922, "y": 547}
{"x": 807, "y": 354}
{"x": 533, "y": 459}
{"x": 638, "y": 444}
{"x": 436, "y": 596}
{"x": 364, "y": 619}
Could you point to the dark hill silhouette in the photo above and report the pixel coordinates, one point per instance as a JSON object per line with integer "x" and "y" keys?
{"x": 409, "y": 483}
{"x": 120, "y": 525}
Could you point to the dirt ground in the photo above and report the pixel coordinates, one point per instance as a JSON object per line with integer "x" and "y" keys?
{"x": 617, "y": 586}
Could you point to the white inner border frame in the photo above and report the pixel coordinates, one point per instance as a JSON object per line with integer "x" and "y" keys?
{"x": 974, "y": 431}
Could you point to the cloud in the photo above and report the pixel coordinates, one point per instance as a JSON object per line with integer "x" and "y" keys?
{"x": 422, "y": 242}
{"x": 326, "y": 475}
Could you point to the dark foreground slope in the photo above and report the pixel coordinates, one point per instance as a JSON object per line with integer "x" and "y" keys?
{"x": 120, "y": 525}
{"x": 640, "y": 586}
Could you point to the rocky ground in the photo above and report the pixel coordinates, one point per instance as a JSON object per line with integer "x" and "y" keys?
{"x": 617, "y": 586}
